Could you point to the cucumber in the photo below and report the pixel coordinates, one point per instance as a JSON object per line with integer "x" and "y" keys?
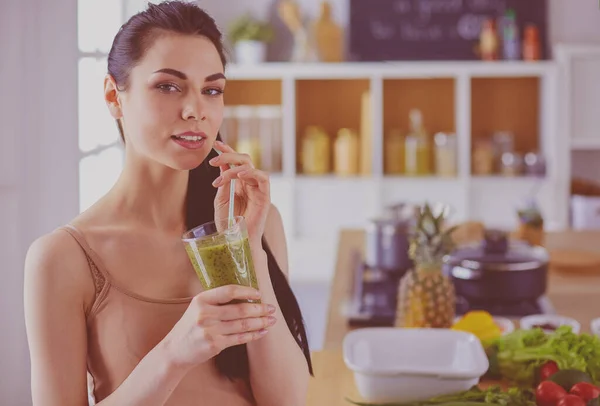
{"x": 569, "y": 377}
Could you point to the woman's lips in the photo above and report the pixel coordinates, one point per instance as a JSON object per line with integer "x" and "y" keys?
{"x": 190, "y": 140}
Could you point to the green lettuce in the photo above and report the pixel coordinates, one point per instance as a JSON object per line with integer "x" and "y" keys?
{"x": 519, "y": 355}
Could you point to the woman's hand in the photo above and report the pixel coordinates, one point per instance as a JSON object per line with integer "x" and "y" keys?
{"x": 252, "y": 191}
{"x": 209, "y": 325}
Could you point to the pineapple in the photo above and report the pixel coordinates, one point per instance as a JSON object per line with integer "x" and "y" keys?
{"x": 426, "y": 297}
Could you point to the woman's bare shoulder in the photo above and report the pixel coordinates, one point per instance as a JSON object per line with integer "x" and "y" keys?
{"x": 57, "y": 246}
{"x": 56, "y": 261}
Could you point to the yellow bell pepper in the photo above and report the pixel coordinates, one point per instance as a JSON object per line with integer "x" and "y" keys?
{"x": 479, "y": 323}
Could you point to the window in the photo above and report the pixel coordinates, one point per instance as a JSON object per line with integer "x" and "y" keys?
{"x": 101, "y": 150}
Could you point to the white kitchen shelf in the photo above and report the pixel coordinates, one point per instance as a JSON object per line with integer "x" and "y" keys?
{"x": 314, "y": 208}
{"x": 387, "y": 70}
{"x": 579, "y": 120}
{"x": 585, "y": 144}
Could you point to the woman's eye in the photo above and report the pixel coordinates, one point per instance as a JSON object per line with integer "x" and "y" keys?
{"x": 214, "y": 91}
{"x": 167, "y": 88}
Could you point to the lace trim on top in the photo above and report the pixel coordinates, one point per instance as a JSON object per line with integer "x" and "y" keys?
{"x": 99, "y": 279}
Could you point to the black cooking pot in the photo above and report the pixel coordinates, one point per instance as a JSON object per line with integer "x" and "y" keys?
{"x": 387, "y": 239}
{"x": 499, "y": 270}
{"x": 387, "y": 245}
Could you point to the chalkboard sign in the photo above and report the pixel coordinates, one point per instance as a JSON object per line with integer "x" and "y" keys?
{"x": 432, "y": 29}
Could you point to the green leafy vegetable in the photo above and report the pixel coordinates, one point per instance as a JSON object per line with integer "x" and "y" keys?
{"x": 521, "y": 353}
{"x": 475, "y": 396}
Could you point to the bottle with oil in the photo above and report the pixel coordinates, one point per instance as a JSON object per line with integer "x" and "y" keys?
{"x": 417, "y": 147}
{"x": 394, "y": 153}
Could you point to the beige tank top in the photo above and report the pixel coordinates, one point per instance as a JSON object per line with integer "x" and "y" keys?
{"x": 122, "y": 327}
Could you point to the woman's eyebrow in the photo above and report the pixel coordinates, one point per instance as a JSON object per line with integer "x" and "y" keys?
{"x": 210, "y": 78}
{"x": 173, "y": 72}
{"x": 214, "y": 77}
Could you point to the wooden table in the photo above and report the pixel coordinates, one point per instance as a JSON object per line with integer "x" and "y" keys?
{"x": 577, "y": 296}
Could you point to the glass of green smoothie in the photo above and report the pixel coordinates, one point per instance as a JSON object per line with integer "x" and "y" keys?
{"x": 220, "y": 254}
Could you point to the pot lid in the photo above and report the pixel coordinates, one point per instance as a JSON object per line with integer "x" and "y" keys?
{"x": 388, "y": 226}
{"x": 497, "y": 253}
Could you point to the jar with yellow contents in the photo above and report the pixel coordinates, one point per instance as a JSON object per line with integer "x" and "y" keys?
{"x": 346, "y": 153}
{"x": 316, "y": 151}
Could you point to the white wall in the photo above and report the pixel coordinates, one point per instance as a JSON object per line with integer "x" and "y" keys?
{"x": 38, "y": 137}
{"x": 574, "y": 21}
{"x": 38, "y": 70}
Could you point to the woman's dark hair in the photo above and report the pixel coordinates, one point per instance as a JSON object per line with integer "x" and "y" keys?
{"x": 132, "y": 41}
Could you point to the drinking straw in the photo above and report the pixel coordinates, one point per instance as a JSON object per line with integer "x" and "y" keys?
{"x": 231, "y": 195}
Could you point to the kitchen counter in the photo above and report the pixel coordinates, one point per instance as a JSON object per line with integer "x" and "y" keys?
{"x": 574, "y": 295}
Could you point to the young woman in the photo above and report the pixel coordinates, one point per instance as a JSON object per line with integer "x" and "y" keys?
{"x": 112, "y": 295}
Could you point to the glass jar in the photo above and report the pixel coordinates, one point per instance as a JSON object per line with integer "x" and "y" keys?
{"x": 483, "y": 158}
{"x": 316, "y": 151}
{"x": 445, "y": 154}
{"x": 228, "y": 128}
{"x": 248, "y": 140}
{"x": 346, "y": 153}
{"x": 504, "y": 141}
{"x": 535, "y": 164}
{"x": 512, "y": 164}
{"x": 270, "y": 137}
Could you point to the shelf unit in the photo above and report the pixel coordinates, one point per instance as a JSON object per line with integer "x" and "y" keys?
{"x": 579, "y": 119}
{"x": 468, "y": 98}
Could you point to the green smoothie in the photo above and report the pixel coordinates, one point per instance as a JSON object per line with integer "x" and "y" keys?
{"x": 219, "y": 262}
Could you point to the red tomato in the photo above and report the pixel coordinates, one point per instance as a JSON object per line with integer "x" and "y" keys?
{"x": 548, "y": 393}
{"x": 547, "y": 370}
{"x": 585, "y": 391}
{"x": 571, "y": 400}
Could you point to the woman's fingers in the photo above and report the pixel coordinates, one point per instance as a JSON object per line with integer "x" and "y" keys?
{"x": 229, "y": 174}
{"x": 225, "y": 294}
{"x": 243, "y": 338}
{"x": 257, "y": 178}
{"x": 229, "y": 157}
{"x": 235, "y": 311}
{"x": 222, "y": 147}
{"x": 246, "y": 325}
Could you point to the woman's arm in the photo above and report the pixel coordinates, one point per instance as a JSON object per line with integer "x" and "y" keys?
{"x": 275, "y": 237}
{"x": 58, "y": 289}
{"x": 55, "y": 320}
{"x": 278, "y": 369}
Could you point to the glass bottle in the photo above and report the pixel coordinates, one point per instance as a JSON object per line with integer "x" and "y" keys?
{"x": 488, "y": 41}
{"x": 531, "y": 44}
{"x": 394, "y": 153}
{"x": 510, "y": 37}
{"x": 417, "y": 148}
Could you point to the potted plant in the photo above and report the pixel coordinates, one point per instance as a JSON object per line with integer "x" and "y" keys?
{"x": 250, "y": 37}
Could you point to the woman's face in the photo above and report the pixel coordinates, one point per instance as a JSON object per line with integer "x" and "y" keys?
{"x": 172, "y": 108}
